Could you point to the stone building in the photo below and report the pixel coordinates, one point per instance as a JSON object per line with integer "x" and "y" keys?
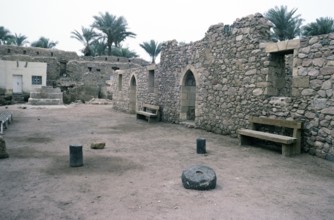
{"x": 234, "y": 72}
{"x": 79, "y": 78}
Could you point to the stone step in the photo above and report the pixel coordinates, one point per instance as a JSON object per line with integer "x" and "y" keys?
{"x": 37, "y": 95}
{"x": 33, "y": 101}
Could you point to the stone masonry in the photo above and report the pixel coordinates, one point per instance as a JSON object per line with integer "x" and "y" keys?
{"x": 236, "y": 71}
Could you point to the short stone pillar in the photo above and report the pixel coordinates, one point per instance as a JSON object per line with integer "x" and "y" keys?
{"x": 3, "y": 150}
{"x": 201, "y": 145}
{"x": 76, "y": 156}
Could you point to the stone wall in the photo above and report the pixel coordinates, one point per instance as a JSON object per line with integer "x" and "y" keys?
{"x": 80, "y": 78}
{"x": 239, "y": 72}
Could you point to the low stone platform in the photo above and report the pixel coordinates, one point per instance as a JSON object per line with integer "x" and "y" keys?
{"x": 46, "y": 96}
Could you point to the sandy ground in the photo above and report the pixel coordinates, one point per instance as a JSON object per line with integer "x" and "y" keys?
{"x": 137, "y": 175}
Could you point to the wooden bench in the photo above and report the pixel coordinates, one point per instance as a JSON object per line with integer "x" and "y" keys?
{"x": 290, "y": 145}
{"x": 149, "y": 113}
{"x": 6, "y": 118}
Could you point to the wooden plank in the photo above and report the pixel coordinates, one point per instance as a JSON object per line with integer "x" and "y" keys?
{"x": 268, "y": 136}
{"x": 276, "y": 122}
{"x": 155, "y": 107}
{"x": 148, "y": 114}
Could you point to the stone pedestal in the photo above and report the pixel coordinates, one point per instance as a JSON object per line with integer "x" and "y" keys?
{"x": 3, "y": 152}
{"x": 76, "y": 156}
{"x": 201, "y": 146}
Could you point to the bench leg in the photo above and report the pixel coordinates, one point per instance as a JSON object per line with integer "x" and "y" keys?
{"x": 243, "y": 140}
{"x": 287, "y": 150}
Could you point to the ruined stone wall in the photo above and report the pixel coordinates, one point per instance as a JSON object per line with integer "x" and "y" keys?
{"x": 312, "y": 95}
{"x": 239, "y": 72}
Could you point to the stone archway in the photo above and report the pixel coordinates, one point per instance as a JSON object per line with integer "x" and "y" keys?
{"x": 188, "y": 97}
{"x": 133, "y": 95}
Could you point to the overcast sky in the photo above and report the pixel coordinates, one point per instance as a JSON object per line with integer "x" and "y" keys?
{"x": 161, "y": 20}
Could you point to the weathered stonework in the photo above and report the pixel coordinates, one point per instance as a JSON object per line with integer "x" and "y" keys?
{"x": 80, "y": 78}
{"x": 234, "y": 72}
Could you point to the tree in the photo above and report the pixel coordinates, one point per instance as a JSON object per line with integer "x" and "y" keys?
{"x": 286, "y": 25}
{"x": 152, "y": 48}
{"x": 114, "y": 29}
{"x": 5, "y": 36}
{"x": 86, "y": 37}
{"x": 19, "y": 40}
{"x": 99, "y": 47}
{"x": 322, "y": 25}
{"x": 123, "y": 52}
{"x": 44, "y": 43}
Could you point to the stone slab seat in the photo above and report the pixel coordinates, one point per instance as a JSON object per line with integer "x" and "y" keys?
{"x": 291, "y": 145}
{"x": 268, "y": 136}
{"x": 149, "y": 112}
{"x": 6, "y": 118}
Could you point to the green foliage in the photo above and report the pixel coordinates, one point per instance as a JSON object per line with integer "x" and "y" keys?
{"x": 86, "y": 37}
{"x": 44, "y": 43}
{"x": 123, "y": 52}
{"x": 322, "y": 25}
{"x": 113, "y": 28}
{"x": 19, "y": 40}
{"x": 286, "y": 25}
{"x": 152, "y": 48}
{"x": 5, "y": 36}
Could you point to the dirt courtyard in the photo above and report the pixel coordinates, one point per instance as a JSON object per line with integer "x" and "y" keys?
{"x": 138, "y": 174}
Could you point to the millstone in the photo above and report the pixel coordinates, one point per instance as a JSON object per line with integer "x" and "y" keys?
{"x": 3, "y": 152}
{"x": 199, "y": 177}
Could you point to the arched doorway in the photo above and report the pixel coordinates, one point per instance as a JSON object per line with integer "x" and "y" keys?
{"x": 188, "y": 97}
{"x": 133, "y": 95}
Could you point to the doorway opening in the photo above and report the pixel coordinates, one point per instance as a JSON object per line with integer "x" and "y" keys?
{"x": 188, "y": 97}
{"x": 133, "y": 95}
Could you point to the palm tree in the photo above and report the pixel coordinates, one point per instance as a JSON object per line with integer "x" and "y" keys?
{"x": 5, "y": 36}
{"x": 114, "y": 29}
{"x": 286, "y": 25}
{"x": 19, "y": 40}
{"x": 86, "y": 37}
{"x": 323, "y": 25}
{"x": 44, "y": 43}
{"x": 99, "y": 47}
{"x": 152, "y": 48}
{"x": 123, "y": 52}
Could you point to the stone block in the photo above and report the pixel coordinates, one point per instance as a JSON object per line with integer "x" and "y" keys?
{"x": 98, "y": 146}
{"x": 319, "y": 103}
{"x": 307, "y": 92}
{"x": 328, "y": 111}
{"x": 301, "y": 82}
{"x": 3, "y": 149}
{"x": 327, "y": 70}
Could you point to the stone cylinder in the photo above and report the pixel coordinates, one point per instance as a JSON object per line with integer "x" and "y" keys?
{"x": 3, "y": 152}
{"x": 76, "y": 156}
{"x": 201, "y": 145}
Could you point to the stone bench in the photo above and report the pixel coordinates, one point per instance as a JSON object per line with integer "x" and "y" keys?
{"x": 149, "y": 113}
{"x": 6, "y": 118}
{"x": 291, "y": 145}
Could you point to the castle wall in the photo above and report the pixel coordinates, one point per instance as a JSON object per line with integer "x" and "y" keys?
{"x": 239, "y": 72}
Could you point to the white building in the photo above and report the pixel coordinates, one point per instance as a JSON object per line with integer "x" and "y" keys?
{"x": 22, "y": 76}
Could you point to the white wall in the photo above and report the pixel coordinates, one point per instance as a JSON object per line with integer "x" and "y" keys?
{"x": 26, "y": 69}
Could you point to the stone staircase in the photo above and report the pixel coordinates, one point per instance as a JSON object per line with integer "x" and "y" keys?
{"x": 46, "y": 96}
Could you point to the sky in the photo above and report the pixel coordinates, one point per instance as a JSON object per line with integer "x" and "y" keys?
{"x": 160, "y": 20}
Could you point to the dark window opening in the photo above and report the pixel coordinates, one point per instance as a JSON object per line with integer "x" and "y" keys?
{"x": 52, "y": 54}
{"x": 36, "y": 80}
{"x": 106, "y": 58}
{"x": 90, "y": 69}
{"x": 151, "y": 81}
{"x": 120, "y": 79}
{"x": 24, "y": 52}
{"x": 115, "y": 68}
{"x": 8, "y": 50}
{"x": 37, "y": 52}
{"x": 117, "y": 59}
{"x": 98, "y": 70}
